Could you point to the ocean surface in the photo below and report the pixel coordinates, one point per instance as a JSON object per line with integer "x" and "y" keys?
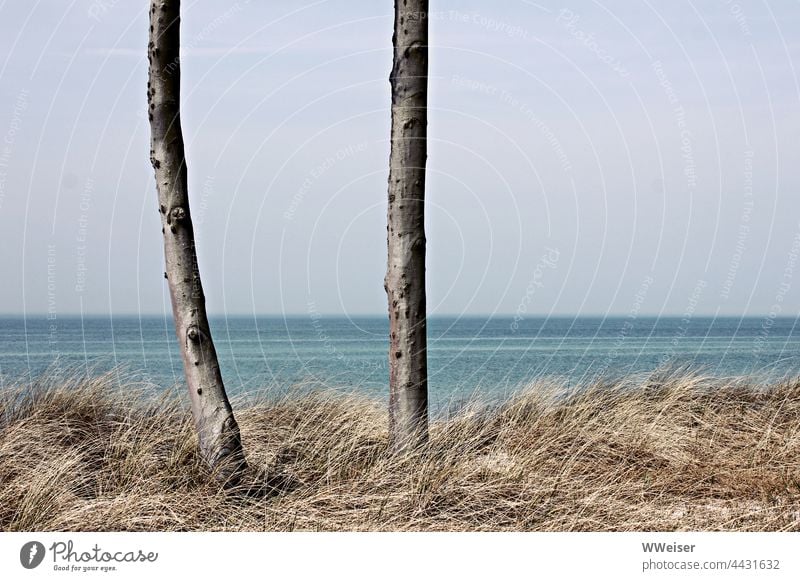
{"x": 489, "y": 355}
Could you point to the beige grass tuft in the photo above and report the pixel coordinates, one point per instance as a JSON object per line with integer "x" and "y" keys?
{"x": 685, "y": 453}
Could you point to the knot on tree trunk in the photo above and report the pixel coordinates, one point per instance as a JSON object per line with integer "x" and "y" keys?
{"x": 178, "y": 214}
{"x": 193, "y": 333}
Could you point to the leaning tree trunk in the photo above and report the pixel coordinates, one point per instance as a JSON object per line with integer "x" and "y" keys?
{"x": 405, "y": 274}
{"x": 220, "y": 442}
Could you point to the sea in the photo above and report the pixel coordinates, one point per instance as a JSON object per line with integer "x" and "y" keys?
{"x": 486, "y": 356}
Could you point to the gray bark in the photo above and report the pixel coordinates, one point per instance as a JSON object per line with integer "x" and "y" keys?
{"x": 405, "y": 273}
{"x": 218, "y": 432}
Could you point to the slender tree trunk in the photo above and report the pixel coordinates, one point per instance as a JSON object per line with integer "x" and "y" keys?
{"x": 220, "y": 442}
{"x": 405, "y": 274}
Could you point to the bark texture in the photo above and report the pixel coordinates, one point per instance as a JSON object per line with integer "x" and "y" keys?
{"x": 220, "y": 441}
{"x": 405, "y": 274}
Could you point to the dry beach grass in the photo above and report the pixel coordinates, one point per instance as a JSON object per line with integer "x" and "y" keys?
{"x": 682, "y": 453}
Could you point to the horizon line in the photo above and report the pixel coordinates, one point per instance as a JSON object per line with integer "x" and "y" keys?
{"x": 626, "y": 315}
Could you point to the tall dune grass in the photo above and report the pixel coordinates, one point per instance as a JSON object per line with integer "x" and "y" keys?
{"x": 684, "y": 453}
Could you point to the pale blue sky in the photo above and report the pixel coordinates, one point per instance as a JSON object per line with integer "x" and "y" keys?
{"x": 650, "y": 146}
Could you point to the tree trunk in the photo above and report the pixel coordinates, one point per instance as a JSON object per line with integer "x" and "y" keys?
{"x": 405, "y": 273}
{"x": 218, "y": 432}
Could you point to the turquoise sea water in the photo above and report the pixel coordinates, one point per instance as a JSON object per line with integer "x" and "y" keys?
{"x": 491, "y": 355}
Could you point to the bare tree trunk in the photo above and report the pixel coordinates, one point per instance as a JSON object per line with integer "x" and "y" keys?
{"x": 405, "y": 274}
{"x": 220, "y": 442}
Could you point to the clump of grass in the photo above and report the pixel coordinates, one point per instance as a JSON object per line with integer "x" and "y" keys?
{"x": 682, "y": 453}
